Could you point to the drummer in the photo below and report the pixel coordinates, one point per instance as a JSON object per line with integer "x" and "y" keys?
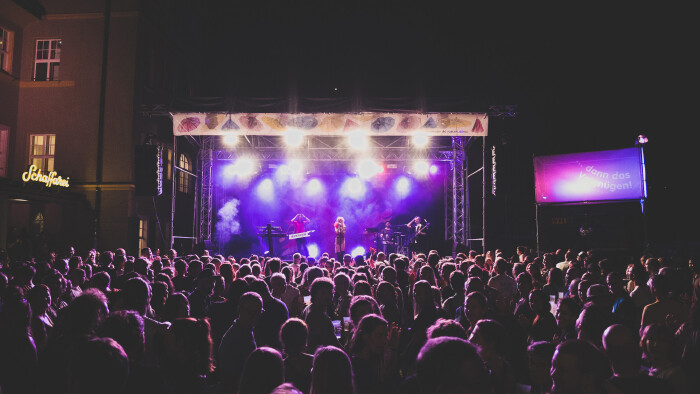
{"x": 386, "y": 239}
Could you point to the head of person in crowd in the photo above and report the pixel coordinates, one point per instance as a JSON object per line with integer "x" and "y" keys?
{"x": 539, "y": 363}
{"x": 524, "y": 283}
{"x": 263, "y": 371}
{"x": 278, "y": 284}
{"x": 127, "y": 328}
{"x": 294, "y": 335}
{"x": 136, "y": 295}
{"x": 85, "y": 314}
{"x": 591, "y": 323}
{"x": 446, "y": 328}
{"x": 578, "y": 367}
{"x": 331, "y": 372}
{"x": 188, "y": 348}
{"x": 321, "y": 292}
{"x": 362, "y": 287}
{"x": 658, "y": 344}
{"x": 98, "y": 365}
{"x": 568, "y": 311}
{"x": 370, "y": 337}
{"x": 250, "y": 308}
{"x": 623, "y": 351}
{"x": 490, "y": 337}
{"x": 451, "y": 365}
{"x": 475, "y": 307}
{"x": 423, "y": 297}
{"x": 177, "y": 306}
{"x": 342, "y": 284}
{"x": 361, "y": 306}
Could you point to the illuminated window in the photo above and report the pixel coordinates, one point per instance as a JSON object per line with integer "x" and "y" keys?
{"x": 5, "y": 50}
{"x": 183, "y": 178}
{"x": 42, "y": 149}
{"x": 168, "y": 164}
{"x": 143, "y": 234}
{"x": 47, "y": 60}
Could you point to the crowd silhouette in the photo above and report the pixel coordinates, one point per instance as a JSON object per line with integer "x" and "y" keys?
{"x": 564, "y": 322}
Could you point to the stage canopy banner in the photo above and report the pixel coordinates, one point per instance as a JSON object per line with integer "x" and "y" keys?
{"x": 591, "y": 176}
{"x": 331, "y": 124}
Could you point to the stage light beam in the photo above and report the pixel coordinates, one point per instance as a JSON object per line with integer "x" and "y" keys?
{"x": 294, "y": 138}
{"x": 296, "y": 167}
{"x": 313, "y": 250}
{"x": 403, "y": 186}
{"x": 231, "y": 140}
{"x": 420, "y": 140}
{"x": 354, "y": 188}
{"x": 367, "y": 168}
{"x": 358, "y": 140}
{"x": 421, "y": 168}
{"x": 358, "y": 251}
{"x": 313, "y": 187}
{"x": 266, "y": 190}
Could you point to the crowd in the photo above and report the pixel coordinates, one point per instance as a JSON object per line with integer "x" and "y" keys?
{"x": 564, "y": 322}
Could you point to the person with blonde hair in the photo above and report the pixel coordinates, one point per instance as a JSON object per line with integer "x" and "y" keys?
{"x": 340, "y": 230}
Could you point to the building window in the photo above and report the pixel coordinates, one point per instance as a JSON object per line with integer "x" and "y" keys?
{"x": 5, "y": 50}
{"x": 143, "y": 234}
{"x": 183, "y": 179}
{"x": 47, "y": 60}
{"x": 42, "y": 149}
{"x": 4, "y": 136}
{"x": 168, "y": 163}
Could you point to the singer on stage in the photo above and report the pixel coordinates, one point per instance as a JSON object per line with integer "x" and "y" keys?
{"x": 298, "y": 222}
{"x": 340, "y": 229}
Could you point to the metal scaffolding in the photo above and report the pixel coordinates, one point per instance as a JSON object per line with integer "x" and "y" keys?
{"x": 324, "y": 150}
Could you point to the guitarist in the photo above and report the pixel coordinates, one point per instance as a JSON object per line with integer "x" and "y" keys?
{"x": 298, "y": 222}
{"x": 417, "y": 228}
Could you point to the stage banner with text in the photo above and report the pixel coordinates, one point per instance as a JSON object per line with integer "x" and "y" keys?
{"x": 590, "y": 176}
{"x": 329, "y": 124}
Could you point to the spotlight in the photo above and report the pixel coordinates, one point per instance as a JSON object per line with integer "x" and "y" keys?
{"x": 433, "y": 169}
{"x": 358, "y": 140}
{"x": 368, "y": 168}
{"x": 421, "y": 168}
{"x": 642, "y": 139}
{"x": 420, "y": 140}
{"x": 230, "y": 139}
{"x": 265, "y": 190}
{"x": 294, "y": 138}
{"x": 243, "y": 167}
{"x": 403, "y": 186}
{"x": 313, "y": 250}
{"x": 313, "y": 187}
{"x": 358, "y": 251}
{"x": 296, "y": 167}
{"x": 353, "y": 188}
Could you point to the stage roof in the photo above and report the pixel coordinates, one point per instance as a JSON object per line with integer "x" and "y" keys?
{"x": 331, "y": 124}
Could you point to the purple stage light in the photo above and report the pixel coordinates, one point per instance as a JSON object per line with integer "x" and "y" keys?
{"x": 403, "y": 186}
{"x": 313, "y": 187}
{"x": 421, "y": 168}
{"x": 353, "y": 188}
{"x": 433, "y": 169}
{"x": 266, "y": 190}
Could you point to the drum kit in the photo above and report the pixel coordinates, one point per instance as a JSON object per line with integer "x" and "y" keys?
{"x": 393, "y": 240}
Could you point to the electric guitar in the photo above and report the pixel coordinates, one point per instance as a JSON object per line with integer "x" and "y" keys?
{"x": 421, "y": 232}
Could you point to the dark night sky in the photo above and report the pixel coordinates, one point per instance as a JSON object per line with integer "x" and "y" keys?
{"x": 585, "y": 78}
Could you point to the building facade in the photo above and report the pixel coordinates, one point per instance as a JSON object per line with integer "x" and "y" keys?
{"x": 78, "y": 86}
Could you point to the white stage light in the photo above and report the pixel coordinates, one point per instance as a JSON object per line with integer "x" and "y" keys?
{"x": 358, "y": 251}
{"x": 230, "y": 139}
{"x": 296, "y": 167}
{"x": 368, "y": 168}
{"x": 244, "y": 167}
{"x": 403, "y": 186}
{"x": 421, "y": 168}
{"x": 266, "y": 190}
{"x": 358, "y": 140}
{"x": 420, "y": 140}
{"x": 294, "y": 138}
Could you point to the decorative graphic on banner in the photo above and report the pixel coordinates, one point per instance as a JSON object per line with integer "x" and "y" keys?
{"x": 331, "y": 124}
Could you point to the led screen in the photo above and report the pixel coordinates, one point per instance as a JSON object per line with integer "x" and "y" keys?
{"x": 590, "y": 176}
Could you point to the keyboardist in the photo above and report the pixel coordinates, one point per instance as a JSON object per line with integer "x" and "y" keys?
{"x": 299, "y": 221}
